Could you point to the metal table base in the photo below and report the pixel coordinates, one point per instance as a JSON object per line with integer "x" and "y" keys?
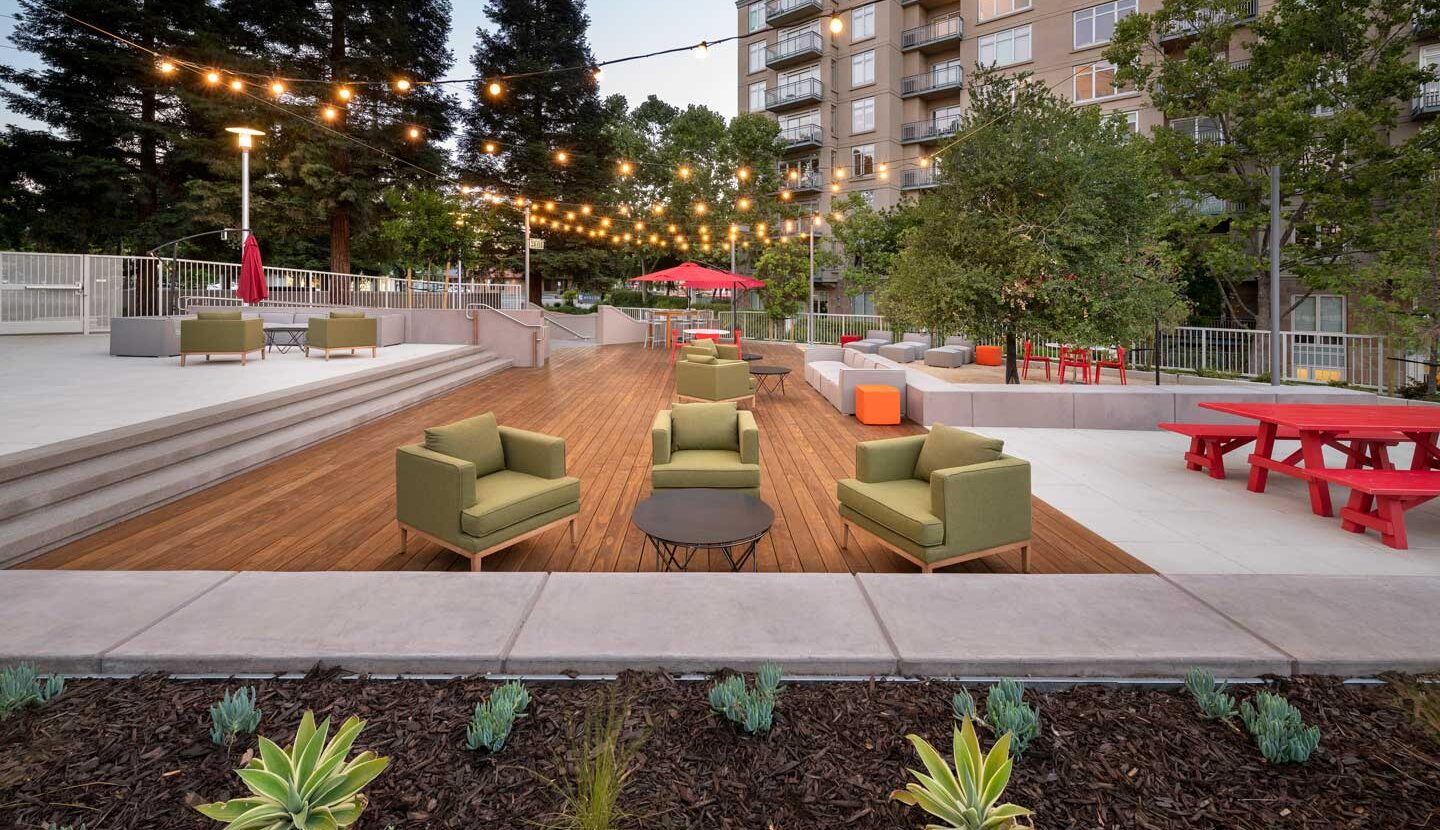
{"x": 668, "y": 555}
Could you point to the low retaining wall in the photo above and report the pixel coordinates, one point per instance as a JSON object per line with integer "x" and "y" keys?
{"x": 613, "y": 327}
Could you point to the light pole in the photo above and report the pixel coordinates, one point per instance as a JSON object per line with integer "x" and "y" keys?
{"x": 245, "y": 137}
{"x": 810, "y": 316}
{"x": 527, "y": 257}
{"x": 1276, "y": 353}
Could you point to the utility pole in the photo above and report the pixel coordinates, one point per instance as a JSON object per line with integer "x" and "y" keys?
{"x": 810, "y": 315}
{"x": 1276, "y": 353}
{"x": 527, "y": 257}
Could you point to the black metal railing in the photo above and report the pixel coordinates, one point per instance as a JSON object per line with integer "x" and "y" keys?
{"x": 804, "y": 90}
{"x": 946, "y": 77}
{"x": 941, "y": 29}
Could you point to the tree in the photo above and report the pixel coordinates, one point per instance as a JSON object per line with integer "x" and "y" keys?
{"x": 1043, "y": 222}
{"x": 1317, "y": 97}
{"x": 871, "y": 239}
{"x": 785, "y": 268}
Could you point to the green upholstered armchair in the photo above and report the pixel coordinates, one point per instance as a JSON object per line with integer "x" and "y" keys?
{"x": 705, "y": 377}
{"x": 940, "y": 498}
{"x": 221, "y": 332}
{"x": 475, "y": 487}
{"x": 709, "y": 445}
{"x": 704, "y": 346}
{"x": 343, "y": 330}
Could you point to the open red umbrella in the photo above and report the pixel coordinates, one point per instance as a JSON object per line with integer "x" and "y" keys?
{"x": 252, "y": 273}
{"x": 694, "y": 275}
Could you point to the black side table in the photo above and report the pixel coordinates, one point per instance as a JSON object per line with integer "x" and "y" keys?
{"x": 774, "y": 374}
{"x": 681, "y": 523}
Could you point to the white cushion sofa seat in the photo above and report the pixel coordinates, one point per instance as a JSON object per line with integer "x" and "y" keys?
{"x": 835, "y": 372}
{"x": 957, "y": 351}
{"x": 874, "y": 339}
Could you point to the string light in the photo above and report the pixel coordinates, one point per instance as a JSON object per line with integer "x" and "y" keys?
{"x": 837, "y": 25}
{"x": 166, "y": 68}
{"x": 237, "y": 85}
{"x": 585, "y": 210}
{"x": 743, "y": 204}
{"x": 702, "y": 51}
{"x": 626, "y": 168}
{"x": 700, "y": 208}
{"x": 277, "y": 88}
{"x": 212, "y": 77}
{"x": 684, "y": 171}
{"x": 330, "y": 113}
{"x": 413, "y": 132}
{"x": 784, "y": 195}
{"x": 343, "y": 93}
{"x": 494, "y": 89}
{"x": 794, "y": 174}
{"x": 489, "y": 148}
{"x": 597, "y": 73}
{"x": 562, "y": 157}
{"x": 742, "y": 174}
{"x": 402, "y": 85}
{"x": 924, "y": 161}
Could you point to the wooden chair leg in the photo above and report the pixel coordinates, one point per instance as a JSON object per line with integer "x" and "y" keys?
{"x": 1197, "y": 447}
{"x": 182, "y": 361}
{"x": 243, "y": 356}
{"x": 1392, "y": 511}
{"x": 475, "y": 564}
{"x": 1025, "y": 560}
{"x": 572, "y": 533}
{"x": 404, "y": 540}
{"x": 845, "y": 535}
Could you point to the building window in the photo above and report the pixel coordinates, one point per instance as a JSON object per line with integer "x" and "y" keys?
{"x": 862, "y": 115}
{"x": 1095, "y": 82}
{"x": 868, "y": 197}
{"x": 1130, "y": 118}
{"x": 757, "y": 56}
{"x": 1319, "y": 313}
{"x": 862, "y": 160}
{"x": 755, "y": 17}
{"x": 1005, "y": 48}
{"x": 862, "y": 23}
{"x": 994, "y": 8}
{"x": 757, "y": 97}
{"x": 862, "y": 68}
{"x": 1096, "y": 24}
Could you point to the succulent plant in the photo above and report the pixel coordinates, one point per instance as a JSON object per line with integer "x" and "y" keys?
{"x": 965, "y": 798}
{"x": 1278, "y": 730}
{"x": 306, "y": 786}
{"x": 495, "y": 717}
{"x": 767, "y": 679}
{"x": 963, "y": 705}
{"x": 1006, "y": 712}
{"x": 752, "y": 708}
{"x": 234, "y": 715}
{"x": 21, "y": 686}
{"x": 1214, "y": 702}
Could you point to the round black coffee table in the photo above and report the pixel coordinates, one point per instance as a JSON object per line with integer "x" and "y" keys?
{"x": 682, "y": 522}
{"x": 774, "y": 374}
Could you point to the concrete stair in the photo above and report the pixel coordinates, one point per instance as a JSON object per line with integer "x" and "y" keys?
{"x": 56, "y": 494}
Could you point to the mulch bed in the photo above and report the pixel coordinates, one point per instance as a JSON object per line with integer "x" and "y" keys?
{"x": 119, "y": 754}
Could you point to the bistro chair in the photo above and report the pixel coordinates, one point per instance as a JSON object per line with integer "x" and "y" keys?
{"x": 1030, "y": 356}
{"x": 1118, "y": 364}
{"x": 1077, "y": 357}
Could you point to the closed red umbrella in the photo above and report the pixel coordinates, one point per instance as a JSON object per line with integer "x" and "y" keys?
{"x": 252, "y": 273}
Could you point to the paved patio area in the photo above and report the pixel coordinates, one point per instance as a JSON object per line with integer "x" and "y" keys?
{"x": 59, "y": 387}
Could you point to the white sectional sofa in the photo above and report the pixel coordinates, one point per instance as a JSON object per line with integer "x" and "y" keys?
{"x": 835, "y": 372}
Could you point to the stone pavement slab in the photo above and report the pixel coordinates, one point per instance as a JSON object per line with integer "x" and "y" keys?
{"x": 1059, "y": 626}
{"x": 1341, "y": 625}
{"x": 393, "y": 622}
{"x": 64, "y": 620}
{"x": 601, "y": 623}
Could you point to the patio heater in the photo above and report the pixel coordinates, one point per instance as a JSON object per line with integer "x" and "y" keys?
{"x": 245, "y": 137}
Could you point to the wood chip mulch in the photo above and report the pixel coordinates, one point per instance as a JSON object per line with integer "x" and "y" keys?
{"x": 121, "y": 754}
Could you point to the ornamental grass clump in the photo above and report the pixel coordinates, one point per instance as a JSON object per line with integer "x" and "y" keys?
{"x": 752, "y": 708}
{"x": 1006, "y": 712}
{"x": 21, "y": 686}
{"x": 1278, "y": 730}
{"x": 233, "y": 716}
{"x": 967, "y": 797}
{"x": 306, "y": 786}
{"x": 1214, "y": 702}
{"x": 601, "y": 771}
{"x": 495, "y": 717}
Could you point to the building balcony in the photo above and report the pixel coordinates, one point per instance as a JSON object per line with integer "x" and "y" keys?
{"x": 926, "y": 4}
{"x": 785, "y": 12}
{"x": 827, "y": 276}
{"x": 935, "y": 36}
{"x": 943, "y": 81}
{"x": 933, "y": 129}
{"x": 795, "y": 50}
{"x": 803, "y": 93}
{"x": 1186, "y": 29}
{"x": 803, "y": 137}
{"x": 919, "y": 178}
{"x": 805, "y": 183}
{"x": 1426, "y": 103}
{"x": 1199, "y": 129}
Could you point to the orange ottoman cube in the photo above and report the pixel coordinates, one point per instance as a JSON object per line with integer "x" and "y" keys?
{"x": 988, "y": 355}
{"x": 877, "y": 405}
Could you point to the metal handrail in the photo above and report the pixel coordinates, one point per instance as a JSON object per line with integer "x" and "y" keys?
{"x": 552, "y": 321}
{"x": 512, "y": 318}
{"x": 183, "y": 303}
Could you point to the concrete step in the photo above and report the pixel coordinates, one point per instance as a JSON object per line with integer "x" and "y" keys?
{"x": 203, "y": 432}
{"x": 31, "y": 533}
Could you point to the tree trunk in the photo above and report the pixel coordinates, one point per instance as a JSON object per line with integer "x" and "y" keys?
{"x": 1012, "y": 374}
{"x": 340, "y": 161}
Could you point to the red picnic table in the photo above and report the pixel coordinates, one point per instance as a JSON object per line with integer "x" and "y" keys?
{"x": 1362, "y": 432}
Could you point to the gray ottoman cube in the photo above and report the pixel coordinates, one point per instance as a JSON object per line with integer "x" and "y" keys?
{"x": 874, "y": 339}
{"x": 957, "y": 352}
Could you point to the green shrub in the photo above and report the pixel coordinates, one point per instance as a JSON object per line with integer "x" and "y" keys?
{"x": 494, "y": 718}
{"x": 304, "y": 786}
{"x": 21, "y": 686}
{"x": 625, "y": 298}
{"x": 1214, "y": 702}
{"x": 752, "y": 708}
{"x": 602, "y": 769}
{"x": 666, "y": 301}
{"x": 234, "y": 715}
{"x": 1006, "y": 712}
{"x": 963, "y": 705}
{"x": 965, "y": 798}
{"x": 1279, "y": 732}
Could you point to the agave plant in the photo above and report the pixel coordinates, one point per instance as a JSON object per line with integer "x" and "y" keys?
{"x": 306, "y": 786}
{"x": 966, "y": 797}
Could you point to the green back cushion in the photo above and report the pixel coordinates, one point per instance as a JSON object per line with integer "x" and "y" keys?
{"x": 346, "y": 315}
{"x": 476, "y": 440}
{"x": 950, "y": 447}
{"x": 705, "y": 345}
{"x": 705, "y": 426}
{"x": 217, "y": 315}
{"x": 700, "y": 358}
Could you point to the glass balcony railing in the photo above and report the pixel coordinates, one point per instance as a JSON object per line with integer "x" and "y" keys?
{"x": 1181, "y": 29}
{"x": 917, "y": 179}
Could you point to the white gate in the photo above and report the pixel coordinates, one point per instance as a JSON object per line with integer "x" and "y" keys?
{"x": 42, "y": 293}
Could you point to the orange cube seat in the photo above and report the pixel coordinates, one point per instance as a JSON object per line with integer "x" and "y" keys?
{"x": 875, "y": 404}
{"x": 988, "y": 355}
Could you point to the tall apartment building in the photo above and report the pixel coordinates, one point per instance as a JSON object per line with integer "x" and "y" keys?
{"x": 877, "y": 98}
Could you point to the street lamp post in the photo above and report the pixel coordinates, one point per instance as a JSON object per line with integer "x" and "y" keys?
{"x": 810, "y": 316}
{"x": 245, "y": 138}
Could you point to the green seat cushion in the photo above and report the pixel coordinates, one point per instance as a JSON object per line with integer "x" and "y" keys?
{"x": 701, "y": 358}
{"x": 705, "y": 426}
{"x": 903, "y": 506}
{"x": 476, "y": 440}
{"x": 217, "y": 315}
{"x": 947, "y": 447}
{"x": 704, "y": 345}
{"x": 347, "y": 315}
{"x": 719, "y": 469}
{"x": 507, "y": 497}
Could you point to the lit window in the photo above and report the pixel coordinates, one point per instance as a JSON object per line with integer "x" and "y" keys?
{"x": 862, "y": 160}
{"x": 1005, "y": 48}
{"x": 994, "y": 8}
{"x": 1095, "y": 81}
{"x": 862, "y": 23}
{"x": 862, "y": 68}
{"x": 757, "y": 97}
{"x": 757, "y": 56}
{"x": 1096, "y": 24}
{"x": 862, "y": 115}
{"x": 755, "y": 17}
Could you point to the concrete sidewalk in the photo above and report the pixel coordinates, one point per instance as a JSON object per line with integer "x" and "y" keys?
{"x": 947, "y": 625}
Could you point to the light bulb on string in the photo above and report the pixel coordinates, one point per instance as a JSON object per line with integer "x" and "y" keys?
{"x": 562, "y": 157}
{"x": 494, "y": 89}
{"x": 277, "y": 88}
{"x": 413, "y": 133}
{"x": 700, "y": 208}
{"x": 236, "y": 85}
{"x": 402, "y": 85}
{"x": 702, "y": 51}
{"x": 743, "y": 174}
{"x": 585, "y": 210}
{"x": 490, "y": 148}
{"x": 597, "y": 73}
{"x": 166, "y": 68}
{"x": 212, "y": 77}
{"x": 837, "y": 25}
{"x": 626, "y": 168}
{"x": 330, "y": 113}
{"x": 684, "y": 171}
{"x": 343, "y": 93}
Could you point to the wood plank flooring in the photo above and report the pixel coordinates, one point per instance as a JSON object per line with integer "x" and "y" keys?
{"x": 332, "y": 506}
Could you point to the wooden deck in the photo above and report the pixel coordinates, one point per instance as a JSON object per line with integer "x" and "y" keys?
{"x": 332, "y": 506}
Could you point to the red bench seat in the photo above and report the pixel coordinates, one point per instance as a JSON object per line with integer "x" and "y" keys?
{"x": 1209, "y": 443}
{"x": 1379, "y": 499}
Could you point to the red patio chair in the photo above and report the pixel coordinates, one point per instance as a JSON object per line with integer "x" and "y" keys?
{"x": 1076, "y": 358}
{"x": 738, "y": 345}
{"x": 1118, "y": 363}
{"x": 677, "y": 342}
{"x": 1031, "y": 356}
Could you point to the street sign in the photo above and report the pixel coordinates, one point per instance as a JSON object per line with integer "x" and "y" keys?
{"x": 537, "y": 244}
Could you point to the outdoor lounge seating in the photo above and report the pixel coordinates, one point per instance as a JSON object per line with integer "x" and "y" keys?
{"x": 939, "y": 499}
{"x": 706, "y": 378}
{"x": 958, "y": 351}
{"x": 874, "y": 339}
{"x": 911, "y": 348}
{"x": 391, "y": 323}
{"x": 475, "y": 487}
{"x": 214, "y": 333}
{"x": 343, "y": 330}
{"x": 708, "y": 346}
{"x": 834, "y": 372}
{"x": 706, "y": 445}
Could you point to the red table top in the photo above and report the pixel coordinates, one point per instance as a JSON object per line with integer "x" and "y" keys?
{"x": 1336, "y": 417}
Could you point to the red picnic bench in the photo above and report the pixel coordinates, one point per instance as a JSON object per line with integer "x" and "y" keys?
{"x": 1379, "y": 499}
{"x": 1209, "y": 443}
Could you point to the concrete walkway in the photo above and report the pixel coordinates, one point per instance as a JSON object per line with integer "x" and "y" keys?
{"x": 952, "y": 625}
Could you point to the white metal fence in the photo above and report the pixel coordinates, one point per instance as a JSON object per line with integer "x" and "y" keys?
{"x": 65, "y": 293}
